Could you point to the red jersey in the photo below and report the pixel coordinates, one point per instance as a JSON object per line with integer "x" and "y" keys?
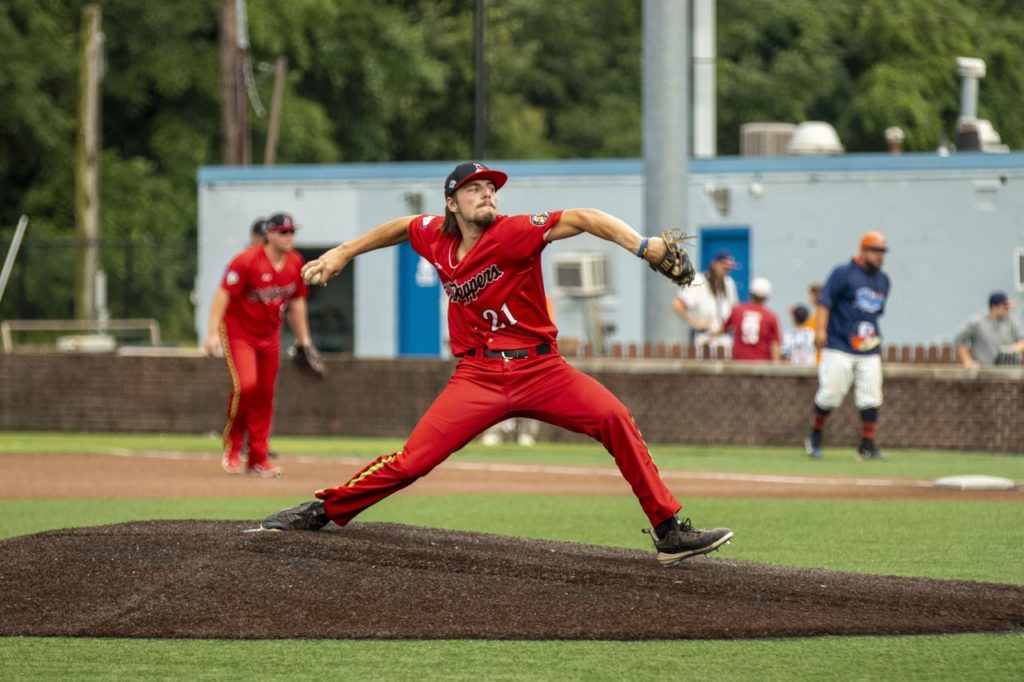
{"x": 753, "y": 327}
{"x": 259, "y": 292}
{"x": 496, "y": 292}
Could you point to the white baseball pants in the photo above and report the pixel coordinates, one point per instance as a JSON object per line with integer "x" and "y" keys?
{"x": 838, "y": 371}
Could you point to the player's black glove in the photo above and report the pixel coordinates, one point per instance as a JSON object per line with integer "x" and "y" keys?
{"x": 309, "y": 361}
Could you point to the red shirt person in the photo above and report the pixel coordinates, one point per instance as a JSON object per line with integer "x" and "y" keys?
{"x": 500, "y": 329}
{"x": 261, "y": 286}
{"x": 754, "y": 328}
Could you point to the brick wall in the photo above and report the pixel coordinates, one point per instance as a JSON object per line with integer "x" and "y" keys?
{"x": 679, "y": 401}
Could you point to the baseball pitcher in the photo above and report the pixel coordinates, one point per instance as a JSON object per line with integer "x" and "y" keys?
{"x": 509, "y": 365}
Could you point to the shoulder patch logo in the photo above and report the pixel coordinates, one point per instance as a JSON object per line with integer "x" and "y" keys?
{"x": 231, "y": 278}
{"x": 540, "y": 219}
{"x": 426, "y": 221}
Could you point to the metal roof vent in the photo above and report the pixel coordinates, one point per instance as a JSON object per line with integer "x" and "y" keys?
{"x": 974, "y": 134}
{"x": 814, "y": 137}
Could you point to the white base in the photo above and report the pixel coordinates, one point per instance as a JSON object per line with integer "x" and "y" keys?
{"x": 975, "y": 482}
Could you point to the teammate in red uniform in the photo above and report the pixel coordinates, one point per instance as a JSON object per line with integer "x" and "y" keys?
{"x": 260, "y": 286}
{"x": 509, "y": 364}
{"x": 754, "y": 328}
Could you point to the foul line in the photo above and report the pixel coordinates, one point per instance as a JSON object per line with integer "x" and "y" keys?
{"x": 567, "y": 470}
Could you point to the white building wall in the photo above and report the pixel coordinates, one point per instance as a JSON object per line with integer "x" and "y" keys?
{"x": 952, "y": 225}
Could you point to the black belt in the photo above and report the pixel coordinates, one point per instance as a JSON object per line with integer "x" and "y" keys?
{"x": 510, "y": 353}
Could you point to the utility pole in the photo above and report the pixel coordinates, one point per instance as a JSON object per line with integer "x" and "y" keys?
{"x": 234, "y": 105}
{"x": 87, "y": 163}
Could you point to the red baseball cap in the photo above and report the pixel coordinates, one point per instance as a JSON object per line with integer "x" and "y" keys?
{"x": 471, "y": 170}
{"x": 280, "y": 221}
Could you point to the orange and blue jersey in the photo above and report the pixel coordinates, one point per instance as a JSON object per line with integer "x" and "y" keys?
{"x": 856, "y": 299}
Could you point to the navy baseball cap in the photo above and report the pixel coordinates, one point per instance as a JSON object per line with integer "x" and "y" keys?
{"x": 471, "y": 170}
{"x": 280, "y": 221}
{"x": 725, "y": 255}
{"x": 997, "y": 298}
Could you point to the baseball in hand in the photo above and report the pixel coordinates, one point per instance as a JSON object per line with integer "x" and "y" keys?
{"x": 313, "y": 278}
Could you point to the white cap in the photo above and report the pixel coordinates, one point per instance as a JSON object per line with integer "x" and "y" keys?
{"x": 761, "y": 287}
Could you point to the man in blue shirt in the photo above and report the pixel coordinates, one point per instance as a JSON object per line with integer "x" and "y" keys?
{"x": 847, "y": 331}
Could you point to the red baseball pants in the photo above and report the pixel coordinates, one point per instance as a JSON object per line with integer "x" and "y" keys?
{"x": 253, "y": 365}
{"x": 484, "y": 391}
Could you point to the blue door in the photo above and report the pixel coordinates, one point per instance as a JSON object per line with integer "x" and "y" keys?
{"x": 419, "y": 305}
{"x": 737, "y": 241}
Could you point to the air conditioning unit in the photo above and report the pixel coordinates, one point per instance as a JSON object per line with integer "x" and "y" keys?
{"x": 765, "y": 138}
{"x": 581, "y": 275}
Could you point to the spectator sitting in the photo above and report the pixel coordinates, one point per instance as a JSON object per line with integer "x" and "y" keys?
{"x": 813, "y": 293}
{"x": 706, "y": 303}
{"x": 798, "y": 343}
{"x": 992, "y": 338}
{"x": 755, "y": 329}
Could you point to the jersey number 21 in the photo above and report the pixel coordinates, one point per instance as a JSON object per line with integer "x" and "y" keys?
{"x": 494, "y": 317}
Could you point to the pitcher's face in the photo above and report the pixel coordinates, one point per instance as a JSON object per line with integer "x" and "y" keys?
{"x": 475, "y": 202}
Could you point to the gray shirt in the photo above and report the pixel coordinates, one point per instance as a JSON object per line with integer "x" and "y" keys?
{"x": 985, "y": 337}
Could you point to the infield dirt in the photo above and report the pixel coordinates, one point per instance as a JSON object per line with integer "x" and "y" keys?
{"x": 208, "y": 579}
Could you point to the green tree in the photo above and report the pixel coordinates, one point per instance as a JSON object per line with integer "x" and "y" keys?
{"x": 575, "y": 73}
{"x": 866, "y": 66}
{"x": 160, "y": 104}
{"x": 393, "y": 80}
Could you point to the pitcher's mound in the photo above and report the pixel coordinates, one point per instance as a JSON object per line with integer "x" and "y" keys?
{"x": 375, "y": 580}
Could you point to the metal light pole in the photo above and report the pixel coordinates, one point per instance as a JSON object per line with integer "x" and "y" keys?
{"x": 666, "y": 121}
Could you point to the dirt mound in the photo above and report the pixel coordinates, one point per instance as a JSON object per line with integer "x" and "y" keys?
{"x": 207, "y": 579}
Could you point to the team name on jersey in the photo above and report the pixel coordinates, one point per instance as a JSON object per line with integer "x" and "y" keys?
{"x": 271, "y": 294}
{"x": 467, "y": 291}
{"x": 868, "y": 300}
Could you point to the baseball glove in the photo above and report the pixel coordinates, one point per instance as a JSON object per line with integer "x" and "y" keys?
{"x": 309, "y": 361}
{"x": 676, "y": 265}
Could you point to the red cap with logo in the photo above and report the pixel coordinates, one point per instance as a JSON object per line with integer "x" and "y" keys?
{"x": 466, "y": 172}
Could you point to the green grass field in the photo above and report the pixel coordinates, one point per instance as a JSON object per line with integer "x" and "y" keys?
{"x": 951, "y": 540}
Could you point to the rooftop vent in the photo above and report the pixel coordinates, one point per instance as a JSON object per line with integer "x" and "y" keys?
{"x": 814, "y": 137}
{"x": 974, "y": 134}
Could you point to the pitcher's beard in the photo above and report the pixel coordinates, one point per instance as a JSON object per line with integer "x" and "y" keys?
{"x": 485, "y": 220}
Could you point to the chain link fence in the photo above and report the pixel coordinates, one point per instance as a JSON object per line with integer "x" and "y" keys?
{"x": 146, "y": 278}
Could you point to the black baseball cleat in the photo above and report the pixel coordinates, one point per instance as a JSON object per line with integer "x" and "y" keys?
{"x": 869, "y": 452}
{"x": 680, "y": 540}
{"x": 307, "y": 516}
{"x": 812, "y": 445}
